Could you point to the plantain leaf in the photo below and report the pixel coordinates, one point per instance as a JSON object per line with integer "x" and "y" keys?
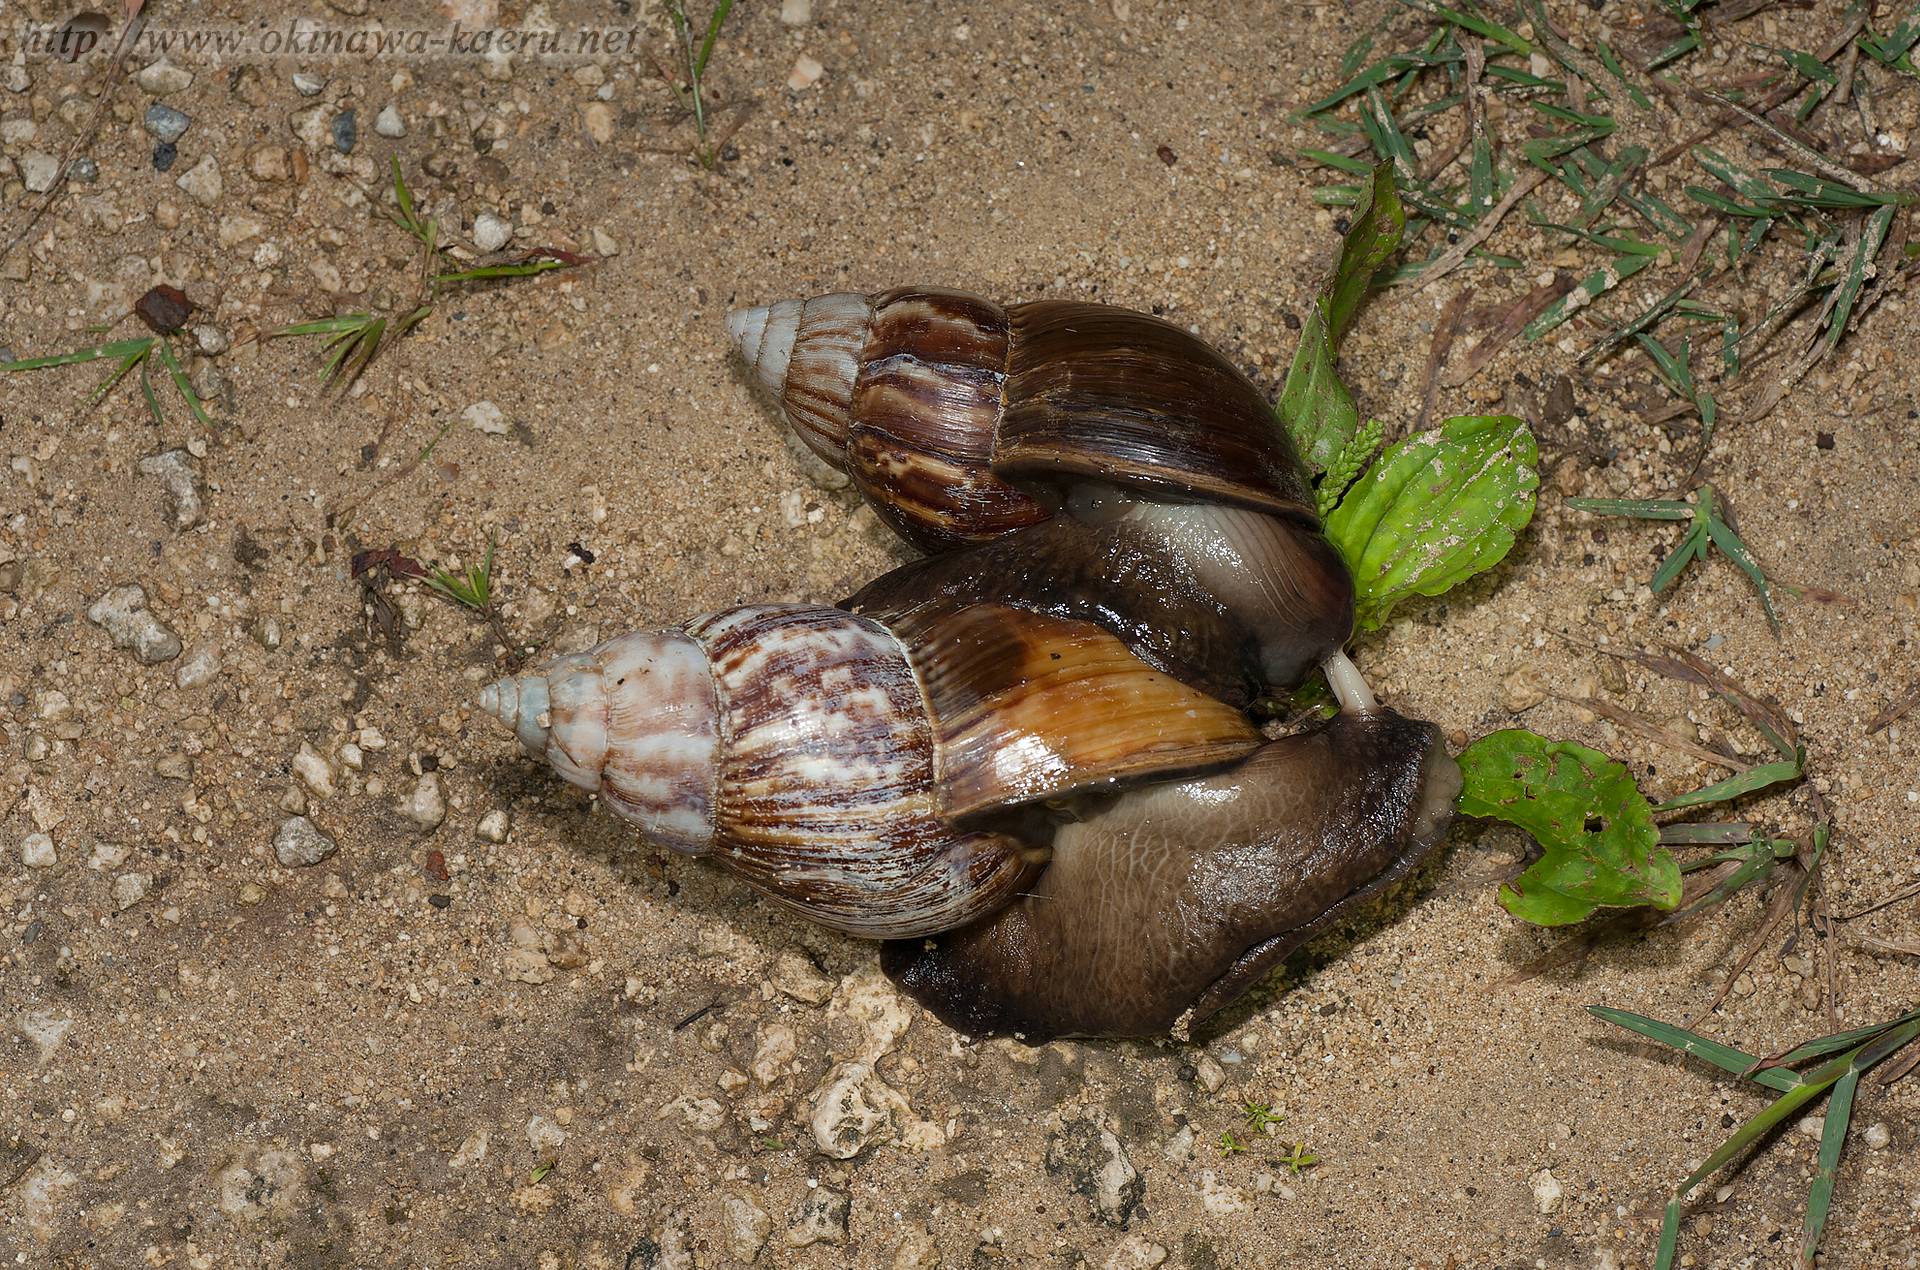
{"x": 1315, "y": 406}
{"x": 1435, "y": 509}
{"x": 1601, "y": 845}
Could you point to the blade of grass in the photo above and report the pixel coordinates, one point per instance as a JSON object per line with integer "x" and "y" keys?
{"x": 183, "y": 384}
{"x": 1590, "y": 288}
{"x": 146, "y": 390}
{"x": 1742, "y": 783}
{"x": 119, "y": 348}
{"x": 1832, "y": 1136}
{"x": 137, "y": 357}
{"x": 1725, "y": 1057}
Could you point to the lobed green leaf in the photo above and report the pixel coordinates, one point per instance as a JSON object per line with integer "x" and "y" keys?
{"x": 1601, "y": 845}
{"x": 1435, "y": 509}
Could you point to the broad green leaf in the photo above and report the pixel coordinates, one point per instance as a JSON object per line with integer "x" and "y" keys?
{"x": 1435, "y": 509}
{"x": 1374, "y": 234}
{"x": 1601, "y": 845}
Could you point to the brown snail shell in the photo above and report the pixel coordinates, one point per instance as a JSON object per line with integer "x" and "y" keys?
{"x": 852, "y": 772}
{"x": 961, "y": 420}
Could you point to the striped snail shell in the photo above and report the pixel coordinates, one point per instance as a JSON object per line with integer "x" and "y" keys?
{"x": 961, "y": 420}
{"x": 855, "y": 773}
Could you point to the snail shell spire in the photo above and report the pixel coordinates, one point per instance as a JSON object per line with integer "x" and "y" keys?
{"x": 806, "y": 354}
{"x": 654, "y": 753}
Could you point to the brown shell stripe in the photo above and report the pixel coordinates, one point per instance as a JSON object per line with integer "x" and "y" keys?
{"x": 925, "y": 408}
{"x": 1029, "y": 706}
{"x": 1118, "y": 396}
{"x": 818, "y": 395}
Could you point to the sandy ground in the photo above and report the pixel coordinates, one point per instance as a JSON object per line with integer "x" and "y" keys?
{"x": 529, "y": 1041}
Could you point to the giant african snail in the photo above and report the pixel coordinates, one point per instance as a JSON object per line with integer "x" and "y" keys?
{"x": 1021, "y": 759}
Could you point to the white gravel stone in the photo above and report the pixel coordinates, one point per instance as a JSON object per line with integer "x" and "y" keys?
{"x": 544, "y": 1134}
{"x": 123, "y": 614}
{"x": 846, "y": 1113}
{"x": 212, "y": 339}
{"x": 1096, "y": 1164}
{"x": 484, "y": 416}
{"x": 796, "y": 12}
{"x": 235, "y": 230}
{"x": 179, "y": 477}
{"x": 388, "y": 123}
{"x": 866, "y": 1017}
{"x": 1135, "y": 1252}
{"x": 806, "y": 73}
{"x": 491, "y": 231}
{"x": 604, "y": 243}
{"x": 493, "y": 826}
{"x": 822, "y": 1219}
{"x": 425, "y": 806}
{"x": 37, "y": 851}
{"x": 130, "y": 888}
{"x": 299, "y": 844}
{"x": 744, "y": 1227}
{"x": 596, "y": 118}
{"x": 1209, "y": 1073}
{"x": 314, "y": 771}
{"x": 794, "y": 973}
{"x": 39, "y": 170}
{"x": 163, "y": 79}
{"x": 202, "y": 182}
{"x": 1547, "y": 1191}
{"x": 1878, "y": 1135}
{"x": 309, "y": 85}
{"x": 313, "y": 126}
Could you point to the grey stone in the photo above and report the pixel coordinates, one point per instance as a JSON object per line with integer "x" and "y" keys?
{"x": 212, "y": 339}
{"x": 164, "y": 78}
{"x": 309, "y": 85}
{"x": 794, "y": 973}
{"x": 86, "y": 171}
{"x": 174, "y": 767}
{"x": 200, "y": 667}
{"x": 165, "y": 123}
{"x": 493, "y": 826}
{"x": 1096, "y": 1165}
{"x": 345, "y": 131}
{"x": 299, "y": 844}
{"x": 822, "y": 1219}
{"x": 312, "y": 126}
{"x": 744, "y": 1226}
{"x": 179, "y": 477}
{"x": 130, "y": 888}
{"x": 123, "y": 614}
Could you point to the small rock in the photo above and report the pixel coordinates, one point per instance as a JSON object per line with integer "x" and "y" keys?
{"x": 249, "y": 894}
{"x": 327, "y": 274}
{"x": 163, "y": 79}
{"x": 796, "y": 12}
{"x": 312, "y": 126}
{"x": 123, "y": 614}
{"x": 388, "y": 123}
{"x": 1208, "y": 1072}
{"x": 744, "y": 1226}
{"x": 130, "y": 888}
{"x": 493, "y": 826}
{"x": 484, "y": 416}
{"x": 1135, "y": 1252}
{"x": 526, "y": 965}
{"x": 85, "y": 171}
{"x": 497, "y": 65}
{"x": 164, "y": 123}
{"x": 37, "y": 852}
{"x": 1812, "y": 1126}
{"x": 1221, "y": 1199}
{"x": 1743, "y": 986}
{"x": 18, "y": 130}
{"x": 166, "y": 214}
{"x": 352, "y": 756}
{"x": 866, "y": 1018}
{"x": 1096, "y": 1165}
{"x": 235, "y": 230}
{"x": 604, "y": 243}
{"x": 491, "y": 232}
{"x": 213, "y": 340}
{"x": 545, "y": 1135}
{"x": 425, "y": 806}
{"x": 174, "y": 767}
{"x": 266, "y": 632}
{"x": 16, "y": 79}
{"x": 916, "y": 1249}
{"x": 597, "y": 118}
{"x": 314, "y": 771}
{"x": 299, "y": 844}
{"x": 1799, "y": 963}
{"x": 1547, "y": 1191}
{"x": 794, "y": 973}
{"x": 806, "y": 73}
{"x": 345, "y": 131}
{"x": 778, "y": 1043}
{"x": 202, "y": 182}
{"x": 1523, "y": 690}
{"x": 700, "y": 1115}
{"x": 1878, "y": 1135}
{"x": 246, "y": 84}
{"x": 294, "y": 801}
{"x": 39, "y": 170}
{"x": 179, "y": 477}
{"x": 268, "y": 163}
{"x": 848, "y": 1111}
{"x": 309, "y": 85}
{"x": 822, "y": 1219}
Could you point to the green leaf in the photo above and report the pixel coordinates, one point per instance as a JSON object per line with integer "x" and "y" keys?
{"x": 1601, "y": 845}
{"x": 1725, "y": 1057}
{"x": 1435, "y": 509}
{"x": 1787, "y": 769}
{"x": 1374, "y": 234}
{"x": 123, "y": 348}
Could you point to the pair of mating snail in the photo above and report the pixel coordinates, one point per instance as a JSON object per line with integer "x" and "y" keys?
{"x": 1023, "y": 760}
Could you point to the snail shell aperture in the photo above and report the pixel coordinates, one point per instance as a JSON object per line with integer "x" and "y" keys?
{"x": 1023, "y": 759}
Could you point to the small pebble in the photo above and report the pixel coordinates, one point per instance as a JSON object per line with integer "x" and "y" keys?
{"x": 1812, "y": 1126}
{"x": 37, "y": 852}
{"x": 493, "y": 826}
{"x": 388, "y": 123}
{"x": 174, "y": 767}
{"x": 212, "y": 340}
{"x": 346, "y": 132}
{"x": 744, "y": 1227}
{"x": 491, "y": 232}
{"x": 822, "y": 1219}
{"x": 425, "y": 806}
{"x": 165, "y": 123}
{"x": 1095, "y": 1162}
{"x": 163, "y": 78}
{"x": 123, "y": 614}
{"x": 597, "y": 119}
{"x": 86, "y": 171}
{"x": 202, "y": 182}
{"x": 163, "y": 156}
{"x": 796, "y": 12}
{"x": 794, "y": 973}
{"x": 1210, "y": 1074}
{"x": 268, "y": 163}
{"x": 179, "y": 477}
{"x": 130, "y": 888}
{"x": 1878, "y": 1135}
{"x": 314, "y": 771}
{"x": 299, "y": 844}
{"x": 1547, "y": 1191}
{"x": 309, "y": 85}
{"x": 806, "y": 73}
{"x": 39, "y": 170}
{"x": 1523, "y": 690}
